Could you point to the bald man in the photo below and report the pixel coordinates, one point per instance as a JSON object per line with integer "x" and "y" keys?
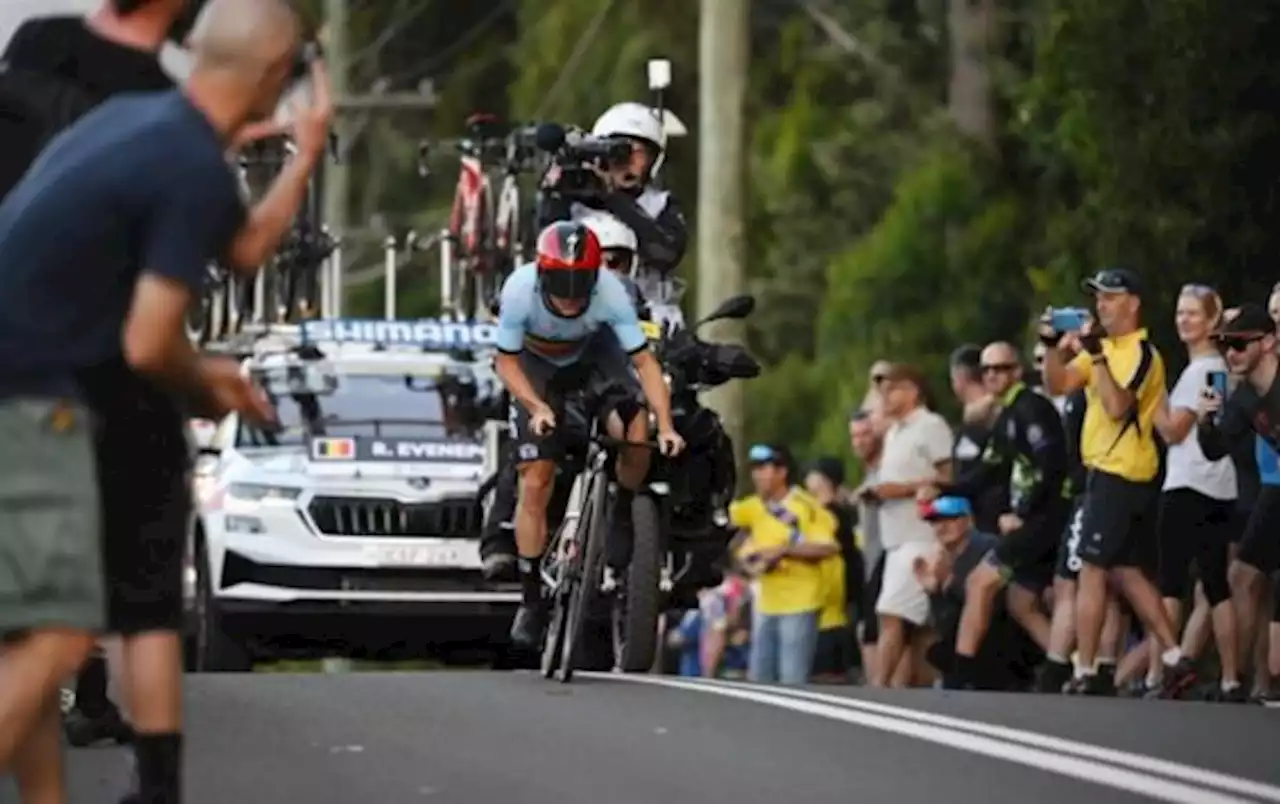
{"x": 105, "y": 240}
{"x": 1027, "y": 449}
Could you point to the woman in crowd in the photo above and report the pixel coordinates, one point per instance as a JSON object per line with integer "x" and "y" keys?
{"x": 1197, "y": 504}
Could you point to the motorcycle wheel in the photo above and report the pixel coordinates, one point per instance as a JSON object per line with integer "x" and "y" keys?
{"x": 636, "y": 612}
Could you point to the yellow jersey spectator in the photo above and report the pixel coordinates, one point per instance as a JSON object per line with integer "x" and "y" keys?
{"x": 788, "y": 536}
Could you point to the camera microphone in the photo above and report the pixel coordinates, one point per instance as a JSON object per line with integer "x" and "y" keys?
{"x": 549, "y": 137}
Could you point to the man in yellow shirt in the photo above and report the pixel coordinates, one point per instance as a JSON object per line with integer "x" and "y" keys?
{"x": 788, "y": 535}
{"x": 1124, "y": 380}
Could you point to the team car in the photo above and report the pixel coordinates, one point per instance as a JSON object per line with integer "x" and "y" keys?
{"x": 354, "y": 523}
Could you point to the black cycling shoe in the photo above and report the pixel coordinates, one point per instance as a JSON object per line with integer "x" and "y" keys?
{"x": 107, "y": 726}
{"x": 529, "y": 626}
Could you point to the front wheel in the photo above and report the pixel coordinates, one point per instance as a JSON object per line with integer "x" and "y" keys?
{"x": 591, "y": 540}
{"x": 636, "y": 612}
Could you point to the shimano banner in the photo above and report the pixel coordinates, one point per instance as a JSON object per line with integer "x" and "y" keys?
{"x": 429, "y": 333}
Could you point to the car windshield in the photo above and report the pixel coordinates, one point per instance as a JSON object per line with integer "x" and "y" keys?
{"x": 362, "y": 405}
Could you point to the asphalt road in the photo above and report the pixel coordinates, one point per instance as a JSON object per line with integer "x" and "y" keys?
{"x": 482, "y": 737}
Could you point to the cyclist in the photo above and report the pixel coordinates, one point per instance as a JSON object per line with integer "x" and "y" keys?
{"x": 497, "y": 544}
{"x": 565, "y": 326}
{"x": 627, "y": 191}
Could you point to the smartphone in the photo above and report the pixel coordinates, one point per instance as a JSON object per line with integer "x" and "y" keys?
{"x": 1068, "y": 319}
{"x": 1216, "y": 381}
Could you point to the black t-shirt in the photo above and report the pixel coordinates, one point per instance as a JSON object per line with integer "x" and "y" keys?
{"x": 966, "y": 456}
{"x": 63, "y": 46}
{"x": 846, "y": 523}
{"x": 1073, "y": 408}
{"x": 1245, "y": 412}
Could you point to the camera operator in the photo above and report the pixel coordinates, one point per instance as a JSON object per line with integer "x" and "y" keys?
{"x": 622, "y": 186}
{"x": 1249, "y": 343}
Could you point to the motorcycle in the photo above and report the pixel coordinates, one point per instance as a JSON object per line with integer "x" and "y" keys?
{"x": 679, "y": 518}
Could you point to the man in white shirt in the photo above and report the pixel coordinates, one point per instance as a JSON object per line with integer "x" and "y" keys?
{"x": 917, "y": 454}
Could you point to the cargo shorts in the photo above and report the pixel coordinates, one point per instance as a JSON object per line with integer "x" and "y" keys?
{"x": 50, "y": 519}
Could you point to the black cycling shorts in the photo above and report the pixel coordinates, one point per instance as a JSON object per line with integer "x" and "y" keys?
{"x": 1027, "y": 555}
{"x": 1119, "y": 524}
{"x": 603, "y": 374}
{"x": 1194, "y": 528}
{"x": 1260, "y": 543}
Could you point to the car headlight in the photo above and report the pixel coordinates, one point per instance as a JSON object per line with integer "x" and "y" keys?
{"x": 258, "y": 492}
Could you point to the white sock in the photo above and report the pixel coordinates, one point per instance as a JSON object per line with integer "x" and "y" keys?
{"x": 1228, "y": 686}
{"x": 1056, "y": 658}
{"x": 1172, "y": 656}
{"x": 1153, "y": 680}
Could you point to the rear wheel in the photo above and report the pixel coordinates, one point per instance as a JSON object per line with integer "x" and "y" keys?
{"x": 636, "y": 612}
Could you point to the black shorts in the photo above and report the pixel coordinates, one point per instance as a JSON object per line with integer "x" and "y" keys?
{"x": 1260, "y": 543}
{"x": 833, "y": 655}
{"x": 868, "y": 622}
{"x": 1027, "y": 555}
{"x": 1119, "y": 524}
{"x": 1068, "y": 564}
{"x": 602, "y": 374}
{"x": 146, "y": 513}
{"x": 1194, "y": 528}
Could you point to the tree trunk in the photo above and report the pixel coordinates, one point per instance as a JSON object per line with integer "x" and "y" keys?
{"x": 969, "y": 97}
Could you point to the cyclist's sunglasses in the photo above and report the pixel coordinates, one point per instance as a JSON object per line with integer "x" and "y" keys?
{"x": 1238, "y": 343}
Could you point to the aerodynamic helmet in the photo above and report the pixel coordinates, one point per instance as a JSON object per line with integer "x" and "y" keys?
{"x": 568, "y": 261}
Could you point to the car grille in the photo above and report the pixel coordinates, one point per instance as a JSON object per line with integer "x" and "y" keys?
{"x": 366, "y": 516}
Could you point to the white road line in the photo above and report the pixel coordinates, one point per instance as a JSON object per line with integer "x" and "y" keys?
{"x": 1139, "y": 762}
{"x": 1140, "y": 781}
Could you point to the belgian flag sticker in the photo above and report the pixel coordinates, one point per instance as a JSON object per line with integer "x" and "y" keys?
{"x": 333, "y": 449}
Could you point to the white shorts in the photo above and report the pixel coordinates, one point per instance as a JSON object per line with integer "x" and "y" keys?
{"x": 901, "y": 595}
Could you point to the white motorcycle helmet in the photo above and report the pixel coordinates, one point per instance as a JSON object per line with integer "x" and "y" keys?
{"x": 637, "y": 121}
{"x": 617, "y": 240}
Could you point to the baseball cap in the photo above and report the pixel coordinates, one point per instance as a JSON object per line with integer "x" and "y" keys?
{"x": 772, "y": 454}
{"x": 1250, "y": 319}
{"x": 1113, "y": 280}
{"x": 945, "y": 507}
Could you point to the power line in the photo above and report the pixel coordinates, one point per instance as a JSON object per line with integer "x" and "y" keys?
{"x": 579, "y": 50}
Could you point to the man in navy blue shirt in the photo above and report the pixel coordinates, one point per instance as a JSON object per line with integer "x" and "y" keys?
{"x": 102, "y": 248}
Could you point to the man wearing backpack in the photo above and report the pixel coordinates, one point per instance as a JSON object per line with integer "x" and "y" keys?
{"x": 57, "y": 70}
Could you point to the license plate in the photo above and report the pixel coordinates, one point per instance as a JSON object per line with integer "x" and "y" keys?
{"x": 459, "y": 555}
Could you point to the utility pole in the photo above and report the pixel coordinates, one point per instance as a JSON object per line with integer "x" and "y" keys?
{"x": 723, "y": 61}
{"x": 337, "y": 55}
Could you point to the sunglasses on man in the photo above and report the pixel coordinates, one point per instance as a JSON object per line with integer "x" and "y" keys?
{"x": 1238, "y": 343}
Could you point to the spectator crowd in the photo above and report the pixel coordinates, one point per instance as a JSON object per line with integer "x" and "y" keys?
{"x": 1092, "y": 525}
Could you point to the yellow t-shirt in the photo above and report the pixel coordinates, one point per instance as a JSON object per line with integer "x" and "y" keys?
{"x": 794, "y": 586}
{"x": 833, "y": 613}
{"x": 1123, "y": 448}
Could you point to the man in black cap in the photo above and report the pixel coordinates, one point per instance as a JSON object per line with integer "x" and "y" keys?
{"x": 1124, "y": 379}
{"x": 1248, "y": 341}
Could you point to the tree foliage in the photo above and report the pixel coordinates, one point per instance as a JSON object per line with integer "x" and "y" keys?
{"x": 1128, "y": 132}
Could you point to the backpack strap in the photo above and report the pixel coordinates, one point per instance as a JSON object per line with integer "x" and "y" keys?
{"x": 1145, "y": 362}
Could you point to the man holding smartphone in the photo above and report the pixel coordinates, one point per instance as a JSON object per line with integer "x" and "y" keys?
{"x": 1248, "y": 341}
{"x": 1123, "y": 377}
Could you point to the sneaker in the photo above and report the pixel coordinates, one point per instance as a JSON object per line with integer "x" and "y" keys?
{"x": 528, "y": 626}
{"x": 107, "y": 726}
{"x": 1091, "y": 685}
{"x": 1236, "y": 695}
{"x": 1052, "y": 677}
{"x": 1178, "y": 679}
{"x": 499, "y": 567}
